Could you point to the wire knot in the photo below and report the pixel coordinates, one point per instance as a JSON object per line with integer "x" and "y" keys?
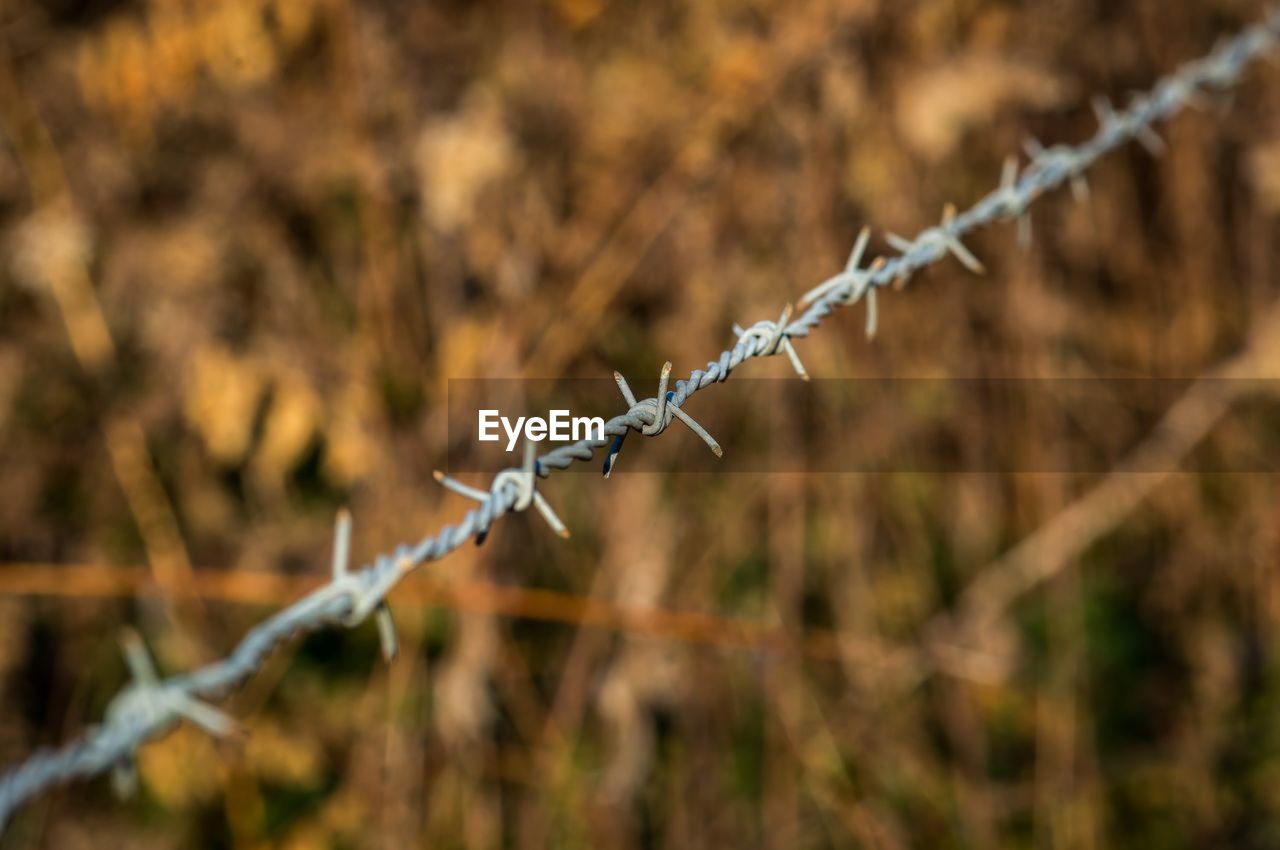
{"x": 772, "y": 336}
{"x": 853, "y": 281}
{"x": 1128, "y": 123}
{"x": 1013, "y": 202}
{"x": 367, "y": 590}
{"x": 151, "y": 706}
{"x": 1063, "y": 159}
{"x": 519, "y": 483}
{"x": 656, "y": 413}
{"x": 938, "y": 240}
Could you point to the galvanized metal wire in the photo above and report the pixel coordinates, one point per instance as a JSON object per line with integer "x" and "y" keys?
{"x": 151, "y": 706}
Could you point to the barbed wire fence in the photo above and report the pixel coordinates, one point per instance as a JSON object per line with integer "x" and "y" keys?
{"x": 150, "y": 706}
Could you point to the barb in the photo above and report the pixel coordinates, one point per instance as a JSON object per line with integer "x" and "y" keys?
{"x": 149, "y": 707}
{"x": 657, "y": 412}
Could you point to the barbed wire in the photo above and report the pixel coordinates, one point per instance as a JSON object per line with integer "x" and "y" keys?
{"x": 149, "y": 706}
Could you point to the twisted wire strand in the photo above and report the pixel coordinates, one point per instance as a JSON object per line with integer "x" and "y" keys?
{"x": 150, "y": 706}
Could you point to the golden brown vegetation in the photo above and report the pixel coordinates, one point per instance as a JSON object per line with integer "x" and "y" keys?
{"x": 246, "y": 243}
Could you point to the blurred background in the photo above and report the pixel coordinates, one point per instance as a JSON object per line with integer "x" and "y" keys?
{"x": 246, "y": 243}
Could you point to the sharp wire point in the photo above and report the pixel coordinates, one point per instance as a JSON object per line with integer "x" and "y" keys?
{"x": 966, "y": 257}
{"x": 899, "y": 243}
{"x": 137, "y": 658}
{"x": 208, "y": 718}
{"x": 796, "y": 363}
{"x": 625, "y": 389}
{"x": 543, "y": 508}
{"x": 1080, "y": 188}
{"x": 341, "y": 542}
{"x": 1102, "y": 109}
{"x": 124, "y": 779}
{"x": 660, "y": 416}
{"x": 462, "y": 489}
{"x": 611, "y": 458}
{"x": 1150, "y": 140}
{"x": 859, "y": 248}
{"x": 953, "y": 243}
{"x": 1009, "y": 173}
{"x": 387, "y": 637}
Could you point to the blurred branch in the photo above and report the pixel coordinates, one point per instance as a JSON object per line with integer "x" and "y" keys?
{"x": 242, "y": 587}
{"x": 966, "y": 640}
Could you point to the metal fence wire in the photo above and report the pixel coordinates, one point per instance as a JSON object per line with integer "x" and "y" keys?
{"x": 151, "y": 706}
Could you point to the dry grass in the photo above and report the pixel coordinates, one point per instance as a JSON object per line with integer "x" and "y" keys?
{"x": 246, "y": 243}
